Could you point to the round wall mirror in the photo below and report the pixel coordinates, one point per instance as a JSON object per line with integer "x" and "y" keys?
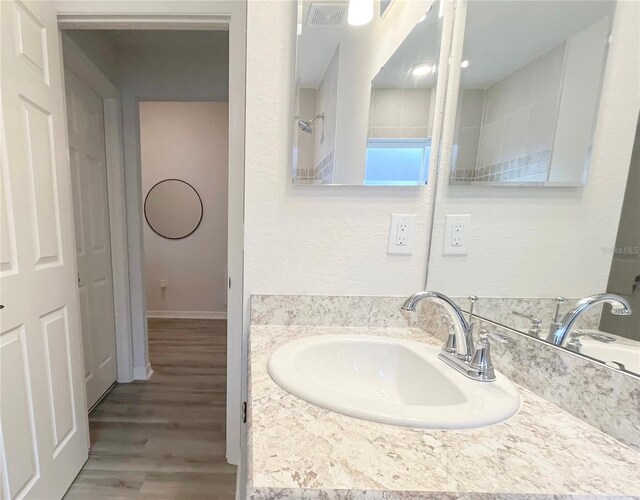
{"x": 173, "y": 209}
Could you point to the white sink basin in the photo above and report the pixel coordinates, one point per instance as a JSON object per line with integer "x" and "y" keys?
{"x": 391, "y": 381}
{"x": 624, "y": 351}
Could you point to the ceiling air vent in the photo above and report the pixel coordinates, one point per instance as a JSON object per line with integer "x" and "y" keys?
{"x": 326, "y": 14}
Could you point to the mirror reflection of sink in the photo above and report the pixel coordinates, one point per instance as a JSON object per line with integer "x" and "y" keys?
{"x": 389, "y": 380}
{"x": 623, "y": 351}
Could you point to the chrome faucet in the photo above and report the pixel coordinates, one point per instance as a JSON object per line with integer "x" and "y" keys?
{"x": 555, "y": 324}
{"x": 459, "y": 351}
{"x": 460, "y": 343}
{"x": 560, "y": 330}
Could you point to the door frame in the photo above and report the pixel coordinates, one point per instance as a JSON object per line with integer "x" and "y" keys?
{"x": 160, "y": 15}
{"x": 83, "y": 67}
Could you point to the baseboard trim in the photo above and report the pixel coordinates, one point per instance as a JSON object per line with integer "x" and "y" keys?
{"x": 188, "y": 314}
{"x": 142, "y": 373}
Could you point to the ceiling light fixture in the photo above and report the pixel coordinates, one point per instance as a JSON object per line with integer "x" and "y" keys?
{"x": 465, "y": 63}
{"x": 360, "y": 12}
{"x": 422, "y": 69}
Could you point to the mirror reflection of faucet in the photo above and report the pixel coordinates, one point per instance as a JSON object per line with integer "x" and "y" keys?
{"x": 534, "y": 327}
{"x": 560, "y": 330}
{"x": 555, "y": 324}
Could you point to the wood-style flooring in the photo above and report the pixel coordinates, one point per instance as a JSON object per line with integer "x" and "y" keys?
{"x": 164, "y": 438}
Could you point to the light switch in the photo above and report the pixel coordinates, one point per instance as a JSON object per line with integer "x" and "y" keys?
{"x": 456, "y": 234}
{"x": 402, "y": 234}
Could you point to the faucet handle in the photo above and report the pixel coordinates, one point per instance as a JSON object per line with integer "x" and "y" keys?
{"x": 534, "y": 329}
{"x": 481, "y": 362}
{"x": 559, "y": 302}
{"x": 499, "y": 337}
{"x": 472, "y": 299}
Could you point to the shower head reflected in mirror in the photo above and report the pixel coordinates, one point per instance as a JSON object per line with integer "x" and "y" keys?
{"x": 305, "y": 125}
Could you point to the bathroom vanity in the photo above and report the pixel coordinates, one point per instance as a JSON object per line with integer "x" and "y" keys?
{"x": 299, "y": 450}
{"x": 519, "y": 107}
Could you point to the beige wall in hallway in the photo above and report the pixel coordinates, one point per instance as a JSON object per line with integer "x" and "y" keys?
{"x": 187, "y": 141}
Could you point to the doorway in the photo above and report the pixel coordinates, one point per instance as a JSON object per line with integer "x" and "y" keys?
{"x": 45, "y": 383}
{"x": 174, "y": 92}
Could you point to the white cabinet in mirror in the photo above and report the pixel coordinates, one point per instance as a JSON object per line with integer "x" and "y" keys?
{"x": 365, "y": 95}
{"x": 530, "y": 83}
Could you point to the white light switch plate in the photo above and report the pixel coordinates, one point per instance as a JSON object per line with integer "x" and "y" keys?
{"x": 402, "y": 234}
{"x": 457, "y": 229}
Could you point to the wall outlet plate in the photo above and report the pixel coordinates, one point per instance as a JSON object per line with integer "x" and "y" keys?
{"x": 402, "y": 234}
{"x": 457, "y": 229}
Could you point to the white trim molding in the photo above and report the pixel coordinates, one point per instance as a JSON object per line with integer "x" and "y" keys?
{"x": 144, "y": 22}
{"x": 143, "y": 373}
{"x": 187, "y": 314}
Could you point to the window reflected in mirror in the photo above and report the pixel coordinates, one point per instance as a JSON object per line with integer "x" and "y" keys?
{"x": 365, "y": 94}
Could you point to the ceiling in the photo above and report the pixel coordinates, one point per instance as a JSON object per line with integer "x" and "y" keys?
{"x": 316, "y": 46}
{"x": 422, "y": 45}
{"x": 126, "y": 39}
{"x": 502, "y": 36}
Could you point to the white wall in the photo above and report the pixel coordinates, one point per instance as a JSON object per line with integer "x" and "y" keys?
{"x": 188, "y": 141}
{"x": 546, "y": 242}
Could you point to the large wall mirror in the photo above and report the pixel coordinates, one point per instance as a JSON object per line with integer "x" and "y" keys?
{"x": 530, "y": 86}
{"x": 365, "y": 95}
{"x": 599, "y": 332}
{"x": 532, "y": 255}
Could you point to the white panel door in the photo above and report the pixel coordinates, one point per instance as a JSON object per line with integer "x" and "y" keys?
{"x": 43, "y": 418}
{"x": 87, "y": 155}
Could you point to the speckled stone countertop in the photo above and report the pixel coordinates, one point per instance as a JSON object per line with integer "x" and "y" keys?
{"x": 297, "y": 450}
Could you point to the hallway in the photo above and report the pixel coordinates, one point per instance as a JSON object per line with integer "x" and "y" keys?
{"x": 165, "y": 438}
